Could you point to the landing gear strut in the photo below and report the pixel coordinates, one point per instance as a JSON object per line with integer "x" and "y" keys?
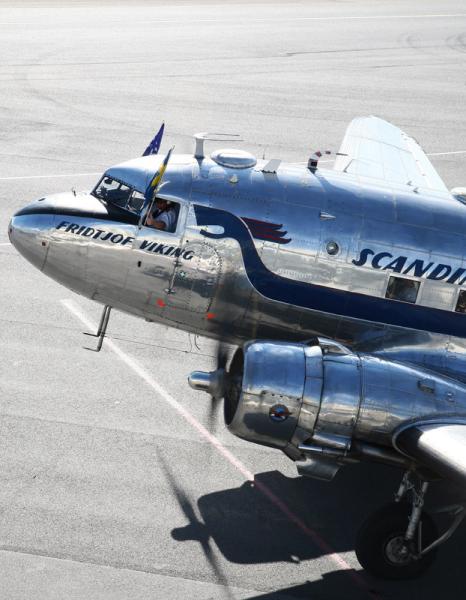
{"x": 102, "y": 329}
{"x": 400, "y": 540}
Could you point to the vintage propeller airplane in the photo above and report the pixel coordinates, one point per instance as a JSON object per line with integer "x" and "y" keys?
{"x": 344, "y": 290}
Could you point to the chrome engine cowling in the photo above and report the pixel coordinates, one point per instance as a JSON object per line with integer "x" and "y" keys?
{"x": 272, "y": 392}
{"x": 325, "y": 404}
{"x": 284, "y": 400}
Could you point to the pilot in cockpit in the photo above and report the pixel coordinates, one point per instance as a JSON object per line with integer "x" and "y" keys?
{"x": 113, "y": 191}
{"x": 163, "y": 216}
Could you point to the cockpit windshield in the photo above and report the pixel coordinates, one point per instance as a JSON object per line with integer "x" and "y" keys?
{"x": 119, "y": 194}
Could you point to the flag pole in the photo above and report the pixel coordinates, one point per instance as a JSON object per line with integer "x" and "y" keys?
{"x": 153, "y": 188}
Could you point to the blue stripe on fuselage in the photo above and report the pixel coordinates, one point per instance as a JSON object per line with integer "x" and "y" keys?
{"x": 326, "y": 299}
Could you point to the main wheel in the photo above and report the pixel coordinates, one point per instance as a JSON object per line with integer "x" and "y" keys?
{"x": 380, "y": 545}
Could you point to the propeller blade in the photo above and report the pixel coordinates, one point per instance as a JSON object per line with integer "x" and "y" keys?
{"x": 221, "y": 357}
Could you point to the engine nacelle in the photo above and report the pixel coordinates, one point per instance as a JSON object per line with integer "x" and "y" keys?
{"x": 305, "y": 399}
{"x": 325, "y": 404}
{"x": 283, "y": 385}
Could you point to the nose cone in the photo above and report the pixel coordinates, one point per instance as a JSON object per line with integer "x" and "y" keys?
{"x": 29, "y": 231}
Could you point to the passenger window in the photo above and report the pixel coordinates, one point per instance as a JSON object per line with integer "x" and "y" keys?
{"x": 163, "y": 215}
{"x": 401, "y": 289}
{"x": 461, "y": 304}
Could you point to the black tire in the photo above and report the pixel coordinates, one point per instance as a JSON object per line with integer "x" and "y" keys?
{"x": 379, "y": 546}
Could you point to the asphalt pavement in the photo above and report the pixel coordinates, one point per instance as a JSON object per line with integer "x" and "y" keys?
{"x": 115, "y": 483}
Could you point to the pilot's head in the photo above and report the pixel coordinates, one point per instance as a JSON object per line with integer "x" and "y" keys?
{"x": 162, "y": 204}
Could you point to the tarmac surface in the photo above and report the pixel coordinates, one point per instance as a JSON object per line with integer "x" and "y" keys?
{"x": 113, "y": 482}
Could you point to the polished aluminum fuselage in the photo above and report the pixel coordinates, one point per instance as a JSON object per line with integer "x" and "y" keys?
{"x": 273, "y": 286}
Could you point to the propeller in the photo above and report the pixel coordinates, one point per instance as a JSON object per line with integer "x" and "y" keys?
{"x": 218, "y": 391}
{"x": 221, "y": 383}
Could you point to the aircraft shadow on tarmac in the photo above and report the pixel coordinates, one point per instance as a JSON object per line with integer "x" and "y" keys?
{"x": 248, "y": 528}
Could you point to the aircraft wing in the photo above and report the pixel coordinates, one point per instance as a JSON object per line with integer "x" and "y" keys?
{"x": 439, "y": 446}
{"x": 376, "y": 149}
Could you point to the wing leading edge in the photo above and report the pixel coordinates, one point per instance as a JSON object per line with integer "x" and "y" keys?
{"x": 376, "y": 149}
{"x": 439, "y": 446}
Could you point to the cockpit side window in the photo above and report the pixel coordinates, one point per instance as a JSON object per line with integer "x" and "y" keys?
{"x": 163, "y": 215}
{"x": 136, "y": 201}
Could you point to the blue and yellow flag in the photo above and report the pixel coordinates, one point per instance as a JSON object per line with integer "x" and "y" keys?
{"x": 153, "y": 186}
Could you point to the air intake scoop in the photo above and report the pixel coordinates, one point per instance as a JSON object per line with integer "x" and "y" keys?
{"x": 234, "y": 159}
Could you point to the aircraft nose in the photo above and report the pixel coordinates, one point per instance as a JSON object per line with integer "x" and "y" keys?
{"x": 29, "y": 232}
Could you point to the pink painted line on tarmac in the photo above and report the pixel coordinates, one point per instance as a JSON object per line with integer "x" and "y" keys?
{"x": 317, "y": 539}
{"x": 325, "y": 548}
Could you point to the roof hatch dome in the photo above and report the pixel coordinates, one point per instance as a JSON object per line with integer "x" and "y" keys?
{"x": 234, "y": 159}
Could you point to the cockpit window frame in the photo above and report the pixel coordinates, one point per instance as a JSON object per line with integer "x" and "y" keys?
{"x": 182, "y": 204}
{"x": 108, "y": 201}
{"x": 132, "y": 193}
{"x": 182, "y": 211}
